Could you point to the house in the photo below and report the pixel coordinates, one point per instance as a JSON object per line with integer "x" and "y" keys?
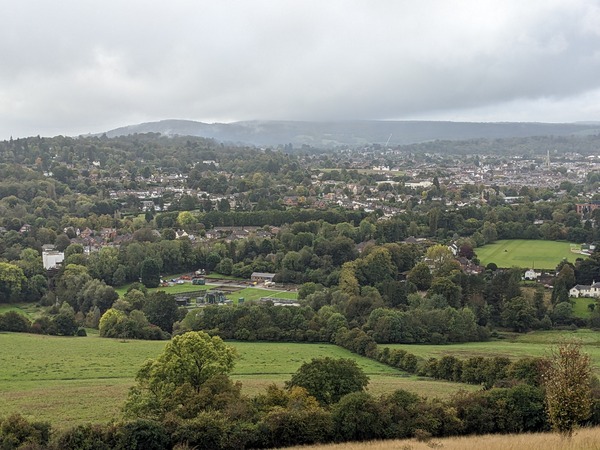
{"x": 108, "y": 233}
{"x": 582, "y": 290}
{"x": 531, "y": 274}
{"x": 586, "y": 208}
{"x": 25, "y": 228}
{"x": 148, "y": 205}
{"x": 181, "y": 234}
{"x": 52, "y": 258}
{"x": 260, "y": 277}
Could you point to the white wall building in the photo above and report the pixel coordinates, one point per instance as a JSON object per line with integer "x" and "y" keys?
{"x": 585, "y": 291}
{"x": 52, "y": 258}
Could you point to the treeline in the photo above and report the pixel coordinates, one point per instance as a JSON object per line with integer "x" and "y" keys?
{"x": 265, "y": 322}
{"x": 57, "y": 322}
{"x": 280, "y": 418}
{"x": 488, "y": 372}
{"x": 271, "y": 217}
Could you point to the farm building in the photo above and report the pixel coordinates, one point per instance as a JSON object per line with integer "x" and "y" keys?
{"x": 260, "y": 277}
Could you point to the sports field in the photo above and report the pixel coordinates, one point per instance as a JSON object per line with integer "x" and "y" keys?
{"x": 525, "y": 253}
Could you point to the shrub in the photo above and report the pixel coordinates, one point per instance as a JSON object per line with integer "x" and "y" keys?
{"x": 16, "y": 431}
{"x": 143, "y": 434}
{"x": 85, "y": 437}
{"x": 356, "y": 417}
{"x": 13, "y": 321}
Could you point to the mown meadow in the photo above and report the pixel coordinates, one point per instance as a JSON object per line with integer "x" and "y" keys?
{"x": 513, "y": 346}
{"x": 73, "y": 380}
{"x": 68, "y": 380}
{"x": 526, "y": 253}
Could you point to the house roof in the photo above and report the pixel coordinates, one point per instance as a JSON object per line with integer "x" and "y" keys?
{"x": 582, "y": 287}
{"x": 262, "y": 274}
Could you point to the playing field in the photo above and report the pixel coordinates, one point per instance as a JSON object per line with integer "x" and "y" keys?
{"x": 68, "y": 380}
{"x": 526, "y": 253}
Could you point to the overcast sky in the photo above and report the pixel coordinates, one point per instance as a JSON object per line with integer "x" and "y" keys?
{"x": 76, "y": 66}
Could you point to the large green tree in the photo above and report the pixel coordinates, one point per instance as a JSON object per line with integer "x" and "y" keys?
{"x": 190, "y": 368}
{"x": 328, "y": 379}
{"x": 11, "y": 282}
{"x": 420, "y": 276}
{"x": 150, "y": 273}
{"x": 161, "y": 310}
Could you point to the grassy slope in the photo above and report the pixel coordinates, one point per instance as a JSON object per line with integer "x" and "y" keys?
{"x": 526, "y": 253}
{"x": 537, "y": 343}
{"x": 77, "y": 380}
{"x": 580, "y": 306}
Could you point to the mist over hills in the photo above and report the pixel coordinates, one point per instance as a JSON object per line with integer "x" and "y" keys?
{"x": 330, "y": 134}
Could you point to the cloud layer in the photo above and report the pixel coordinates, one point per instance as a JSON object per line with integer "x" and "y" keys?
{"x": 73, "y": 67}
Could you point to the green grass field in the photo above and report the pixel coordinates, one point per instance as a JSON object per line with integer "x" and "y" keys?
{"x": 526, "y": 253}
{"x": 538, "y": 343}
{"x": 69, "y": 381}
{"x": 580, "y": 307}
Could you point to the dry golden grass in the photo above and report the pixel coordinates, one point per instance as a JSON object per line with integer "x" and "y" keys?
{"x": 584, "y": 439}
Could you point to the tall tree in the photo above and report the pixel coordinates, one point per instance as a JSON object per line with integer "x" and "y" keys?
{"x": 175, "y": 381}
{"x": 11, "y": 282}
{"x": 567, "y": 379}
{"x": 328, "y": 379}
{"x": 161, "y": 310}
{"x": 150, "y": 273}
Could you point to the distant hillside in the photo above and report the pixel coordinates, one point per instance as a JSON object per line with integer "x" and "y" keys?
{"x": 328, "y": 134}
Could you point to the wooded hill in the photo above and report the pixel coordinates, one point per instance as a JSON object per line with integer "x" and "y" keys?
{"x": 330, "y": 134}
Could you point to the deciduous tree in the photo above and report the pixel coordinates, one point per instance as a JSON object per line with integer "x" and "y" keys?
{"x": 175, "y": 380}
{"x": 567, "y": 379}
{"x": 328, "y": 379}
{"x": 150, "y": 273}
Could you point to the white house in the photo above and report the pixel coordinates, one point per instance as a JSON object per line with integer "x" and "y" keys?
{"x": 531, "y": 275}
{"x": 582, "y": 290}
{"x": 52, "y": 258}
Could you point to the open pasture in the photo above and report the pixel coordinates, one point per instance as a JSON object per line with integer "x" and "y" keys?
{"x": 68, "y": 381}
{"x": 525, "y": 253}
{"x": 514, "y": 346}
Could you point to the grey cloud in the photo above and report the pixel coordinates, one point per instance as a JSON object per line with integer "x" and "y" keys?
{"x": 73, "y": 67}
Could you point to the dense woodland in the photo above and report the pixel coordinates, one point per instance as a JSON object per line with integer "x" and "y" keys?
{"x": 362, "y": 284}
